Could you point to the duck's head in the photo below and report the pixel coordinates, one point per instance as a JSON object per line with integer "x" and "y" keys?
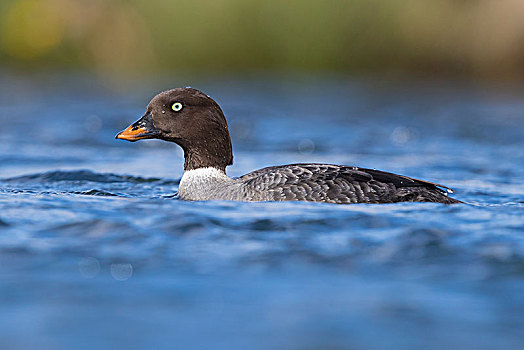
{"x": 192, "y": 120}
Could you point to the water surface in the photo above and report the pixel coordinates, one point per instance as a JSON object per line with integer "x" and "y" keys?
{"x": 96, "y": 251}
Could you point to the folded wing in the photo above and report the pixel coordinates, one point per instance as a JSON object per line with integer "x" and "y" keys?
{"x": 342, "y": 184}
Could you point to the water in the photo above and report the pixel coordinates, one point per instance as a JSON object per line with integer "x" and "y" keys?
{"x": 97, "y": 252}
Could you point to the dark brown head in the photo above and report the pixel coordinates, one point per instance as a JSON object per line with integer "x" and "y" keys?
{"x": 192, "y": 120}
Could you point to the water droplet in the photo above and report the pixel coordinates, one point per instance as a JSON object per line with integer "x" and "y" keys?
{"x": 163, "y": 112}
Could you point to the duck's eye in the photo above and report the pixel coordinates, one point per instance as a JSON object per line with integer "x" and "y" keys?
{"x": 177, "y": 106}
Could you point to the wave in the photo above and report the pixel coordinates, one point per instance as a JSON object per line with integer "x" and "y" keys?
{"x": 95, "y": 192}
{"x": 84, "y": 176}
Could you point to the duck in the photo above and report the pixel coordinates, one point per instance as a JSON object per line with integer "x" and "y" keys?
{"x": 195, "y": 122}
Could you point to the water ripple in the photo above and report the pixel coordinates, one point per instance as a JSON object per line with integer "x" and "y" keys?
{"x": 111, "y": 252}
{"x": 83, "y": 176}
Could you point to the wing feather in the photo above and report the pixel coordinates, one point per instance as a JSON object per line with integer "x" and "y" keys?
{"x": 341, "y": 184}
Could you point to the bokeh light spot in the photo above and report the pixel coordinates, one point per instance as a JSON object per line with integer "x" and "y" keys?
{"x": 89, "y": 267}
{"x": 121, "y": 272}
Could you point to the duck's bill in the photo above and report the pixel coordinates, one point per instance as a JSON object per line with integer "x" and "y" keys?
{"x": 141, "y": 129}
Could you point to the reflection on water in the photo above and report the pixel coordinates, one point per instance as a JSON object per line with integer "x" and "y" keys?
{"x": 96, "y": 251}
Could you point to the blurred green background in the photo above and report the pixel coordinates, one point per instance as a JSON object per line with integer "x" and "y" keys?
{"x": 479, "y": 39}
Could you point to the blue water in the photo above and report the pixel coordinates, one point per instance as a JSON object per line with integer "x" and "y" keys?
{"x": 97, "y": 252}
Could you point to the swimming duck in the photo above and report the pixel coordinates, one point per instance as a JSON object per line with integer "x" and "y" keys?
{"x": 195, "y": 122}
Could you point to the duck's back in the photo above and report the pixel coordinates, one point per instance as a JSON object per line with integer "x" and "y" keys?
{"x": 339, "y": 184}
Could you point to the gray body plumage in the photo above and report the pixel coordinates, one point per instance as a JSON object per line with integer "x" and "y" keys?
{"x": 310, "y": 182}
